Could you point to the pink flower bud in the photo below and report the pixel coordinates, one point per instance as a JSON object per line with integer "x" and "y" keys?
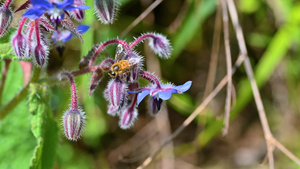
{"x": 5, "y": 20}
{"x": 106, "y": 10}
{"x": 117, "y": 92}
{"x": 160, "y": 45}
{"x": 19, "y": 44}
{"x": 73, "y": 121}
{"x": 40, "y": 54}
{"x": 128, "y": 116}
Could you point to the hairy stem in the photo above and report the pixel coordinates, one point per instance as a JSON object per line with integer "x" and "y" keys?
{"x": 7, "y": 3}
{"x": 150, "y": 77}
{"x": 140, "y": 39}
{"x": 73, "y": 89}
{"x": 21, "y": 25}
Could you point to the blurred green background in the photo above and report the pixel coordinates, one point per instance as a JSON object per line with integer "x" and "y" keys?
{"x": 272, "y": 33}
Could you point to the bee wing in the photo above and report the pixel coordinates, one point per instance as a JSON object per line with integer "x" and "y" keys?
{"x": 119, "y": 52}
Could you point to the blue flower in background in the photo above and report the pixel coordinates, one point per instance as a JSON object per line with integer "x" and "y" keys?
{"x": 60, "y": 37}
{"x": 55, "y": 9}
{"x": 64, "y": 36}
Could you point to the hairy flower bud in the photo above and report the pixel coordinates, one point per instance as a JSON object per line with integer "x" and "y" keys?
{"x": 40, "y": 54}
{"x": 106, "y": 10}
{"x": 19, "y": 44}
{"x": 160, "y": 45}
{"x": 5, "y": 20}
{"x": 117, "y": 92}
{"x": 128, "y": 116}
{"x": 73, "y": 121}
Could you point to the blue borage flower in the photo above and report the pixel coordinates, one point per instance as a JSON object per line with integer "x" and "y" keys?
{"x": 66, "y": 35}
{"x": 164, "y": 92}
{"x": 55, "y": 9}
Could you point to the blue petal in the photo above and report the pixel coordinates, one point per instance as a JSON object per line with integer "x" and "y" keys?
{"x": 34, "y": 13}
{"x": 64, "y": 4}
{"x": 41, "y": 3}
{"x": 166, "y": 95}
{"x": 82, "y": 28}
{"x": 69, "y": 8}
{"x": 67, "y": 38}
{"x": 84, "y": 7}
{"x": 142, "y": 95}
{"x": 184, "y": 87}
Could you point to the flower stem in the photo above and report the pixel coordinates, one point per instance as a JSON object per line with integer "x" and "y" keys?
{"x": 141, "y": 38}
{"x": 73, "y": 89}
{"x": 151, "y": 78}
{"x": 4, "y": 73}
{"x": 37, "y": 32}
{"x": 7, "y": 3}
{"x": 21, "y": 25}
{"x": 103, "y": 45}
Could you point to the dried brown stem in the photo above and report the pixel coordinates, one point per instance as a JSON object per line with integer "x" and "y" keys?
{"x": 228, "y": 65}
{"x": 211, "y": 76}
{"x": 141, "y": 17}
{"x": 270, "y": 140}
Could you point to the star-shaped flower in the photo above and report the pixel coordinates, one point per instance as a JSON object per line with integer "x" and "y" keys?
{"x": 164, "y": 92}
{"x": 56, "y": 9}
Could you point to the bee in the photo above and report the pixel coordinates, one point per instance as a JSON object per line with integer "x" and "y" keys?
{"x": 120, "y": 69}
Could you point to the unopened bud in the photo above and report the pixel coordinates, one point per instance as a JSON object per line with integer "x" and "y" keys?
{"x": 160, "y": 45}
{"x": 19, "y": 44}
{"x": 5, "y": 20}
{"x": 40, "y": 54}
{"x": 106, "y": 10}
{"x": 73, "y": 121}
{"x": 128, "y": 117}
{"x": 117, "y": 92}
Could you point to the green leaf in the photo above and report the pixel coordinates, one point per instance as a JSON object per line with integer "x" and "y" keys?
{"x": 8, "y": 35}
{"x": 17, "y": 142}
{"x": 43, "y": 127}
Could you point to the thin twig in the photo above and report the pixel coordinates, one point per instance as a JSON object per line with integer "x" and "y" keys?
{"x": 141, "y": 17}
{"x": 211, "y": 75}
{"x": 194, "y": 114}
{"x": 270, "y": 140}
{"x": 228, "y": 63}
{"x": 3, "y": 78}
{"x": 249, "y": 71}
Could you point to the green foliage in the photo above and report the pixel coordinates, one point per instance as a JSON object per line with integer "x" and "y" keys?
{"x": 43, "y": 127}
{"x": 17, "y": 142}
